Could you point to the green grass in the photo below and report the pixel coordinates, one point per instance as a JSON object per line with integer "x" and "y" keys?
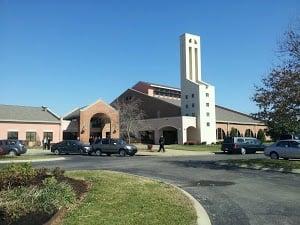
{"x": 209, "y": 148}
{"x": 26, "y": 157}
{"x": 286, "y": 165}
{"x": 121, "y": 199}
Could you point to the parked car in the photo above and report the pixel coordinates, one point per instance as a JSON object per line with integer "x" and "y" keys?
{"x": 242, "y": 145}
{"x": 284, "y": 149}
{"x": 112, "y": 146}
{"x": 70, "y": 146}
{"x": 289, "y": 136}
{"x": 12, "y": 147}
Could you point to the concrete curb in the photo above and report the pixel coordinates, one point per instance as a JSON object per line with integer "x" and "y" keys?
{"x": 31, "y": 160}
{"x": 202, "y": 216}
{"x": 245, "y": 166}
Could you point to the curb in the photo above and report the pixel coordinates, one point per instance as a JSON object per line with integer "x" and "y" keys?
{"x": 245, "y": 166}
{"x": 31, "y": 160}
{"x": 202, "y": 216}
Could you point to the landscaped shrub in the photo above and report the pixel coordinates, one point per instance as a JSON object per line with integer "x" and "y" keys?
{"x": 46, "y": 198}
{"x": 16, "y": 175}
{"x": 58, "y": 172}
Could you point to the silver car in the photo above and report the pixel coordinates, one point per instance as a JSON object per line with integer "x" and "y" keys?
{"x": 284, "y": 149}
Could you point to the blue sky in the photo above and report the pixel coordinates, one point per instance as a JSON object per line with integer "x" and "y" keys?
{"x": 69, "y": 53}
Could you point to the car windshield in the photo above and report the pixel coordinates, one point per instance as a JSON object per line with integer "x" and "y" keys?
{"x": 121, "y": 142}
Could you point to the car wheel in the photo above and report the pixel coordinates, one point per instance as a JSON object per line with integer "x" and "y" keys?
{"x": 12, "y": 153}
{"x": 243, "y": 151}
{"x": 98, "y": 152}
{"x": 122, "y": 152}
{"x": 56, "y": 152}
{"x": 274, "y": 155}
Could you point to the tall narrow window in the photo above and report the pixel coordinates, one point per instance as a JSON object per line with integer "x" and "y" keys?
{"x": 190, "y": 64}
{"x": 196, "y": 64}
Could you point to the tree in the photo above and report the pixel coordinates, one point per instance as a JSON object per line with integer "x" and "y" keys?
{"x": 261, "y": 135}
{"x": 234, "y": 132}
{"x": 278, "y": 98}
{"x": 130, "y": 117}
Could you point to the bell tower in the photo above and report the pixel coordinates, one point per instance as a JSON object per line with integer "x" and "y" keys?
{"x": 197, "y": 97}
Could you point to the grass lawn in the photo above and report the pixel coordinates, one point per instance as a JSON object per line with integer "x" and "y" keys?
{"x": 286, "y": 165}
{"x": 26, "y": 157}
{"x": 210, "y": 148}
{"x": 122, "y": 199}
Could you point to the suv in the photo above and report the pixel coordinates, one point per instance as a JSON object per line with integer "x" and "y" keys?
{"x": 112, "y": 146}
{"x": 12, "y": 147}
{"x": 242, "y": 145}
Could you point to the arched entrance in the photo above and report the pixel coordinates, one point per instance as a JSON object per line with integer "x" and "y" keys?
{"x": 249, "y": 133}
{"x": 191, "y": 134}
{"x": 100, "y": 126}
{"x": 170, "y": 135}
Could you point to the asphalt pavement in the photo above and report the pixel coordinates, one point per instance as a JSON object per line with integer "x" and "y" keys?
{"x": 230, "y": 195}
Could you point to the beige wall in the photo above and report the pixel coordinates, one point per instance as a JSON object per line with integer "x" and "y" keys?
{"x": 241, "y": 127}
{"x": 22, "y": 128}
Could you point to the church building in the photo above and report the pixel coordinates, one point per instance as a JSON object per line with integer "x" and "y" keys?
{"x": 188, "y": 114}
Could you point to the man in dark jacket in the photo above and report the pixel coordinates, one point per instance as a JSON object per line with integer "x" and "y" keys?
{"x": 161, "y": 144}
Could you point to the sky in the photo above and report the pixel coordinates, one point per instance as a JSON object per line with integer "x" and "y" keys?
{"x": 68, "y": 53}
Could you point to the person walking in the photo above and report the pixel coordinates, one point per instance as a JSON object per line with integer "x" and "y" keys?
{"x": 161, "y": 144}
{"x": 48, "y": 143}
{"x": 44, "y": 143}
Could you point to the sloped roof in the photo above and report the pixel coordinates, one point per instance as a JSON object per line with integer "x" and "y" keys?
{"x": 16, "y": 113}
{"x": 223, "y": 114}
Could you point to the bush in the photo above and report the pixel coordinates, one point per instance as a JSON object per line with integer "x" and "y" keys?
{"x": 16, "y": 175}
{"x": 261, "y": 136}
{"x": 47, "y": 198}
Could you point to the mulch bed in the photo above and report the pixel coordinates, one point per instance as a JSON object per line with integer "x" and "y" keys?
{"x": 40, "y": 218}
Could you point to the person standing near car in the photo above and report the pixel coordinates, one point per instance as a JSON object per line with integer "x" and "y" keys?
{"x": 161, "y": 144}
{"x": 44, "y": 143}
{"x": 48, "y": 143}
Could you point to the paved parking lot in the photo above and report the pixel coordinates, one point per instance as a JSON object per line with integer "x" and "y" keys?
{"x": 230, "y": 195}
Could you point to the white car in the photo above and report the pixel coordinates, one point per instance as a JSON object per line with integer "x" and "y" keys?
{"x": 284, "y": 149}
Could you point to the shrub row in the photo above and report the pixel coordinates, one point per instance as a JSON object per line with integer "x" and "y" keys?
{"x": 24, "y": 174}
{"x": 46, "y": 198}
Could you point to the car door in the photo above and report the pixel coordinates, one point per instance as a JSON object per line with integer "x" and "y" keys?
{"x": 63, "y": 147}
{"x": 74, "y": 147}
{"x": 105, "y": 145}
{"x": 114, "y": 146}
{"x": 294, "y": 150}
{"x": 282, "y": 148}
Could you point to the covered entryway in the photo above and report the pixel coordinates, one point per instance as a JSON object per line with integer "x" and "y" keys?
{"x": 170, "y": 135}
{"x": 97, "y": 120}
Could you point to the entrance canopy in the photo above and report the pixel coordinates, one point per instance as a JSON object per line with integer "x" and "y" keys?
{"x": 97, "y": 120}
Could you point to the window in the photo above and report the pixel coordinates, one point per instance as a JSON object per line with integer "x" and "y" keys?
{"x": 207, "y": 114}
{"x": 186, "y": 106}
{"x": 186, "y": 96}
{"x": 240, "y": 140}
{"x": 105, "y": 141}
{"x": 207, "y": 104}
{"x": 193, "y": 105}
{"x": 48, "y": 135}
{"x": 208, "y": 124}
{"x": 30, "y": 136}
{"x": 284, "y": 144}
{"x": 207, "y": 94}
{"x": 193, "y": 95}
{"x": 12, "y": 135}
{"x": 295, "y": 144}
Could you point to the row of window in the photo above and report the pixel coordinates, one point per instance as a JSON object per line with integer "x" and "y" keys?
{"x": 167, "y": 92}
{"x": 193, "y": 105}
{"x": 186, "y": 96}
{"x": 30, "y": 135}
